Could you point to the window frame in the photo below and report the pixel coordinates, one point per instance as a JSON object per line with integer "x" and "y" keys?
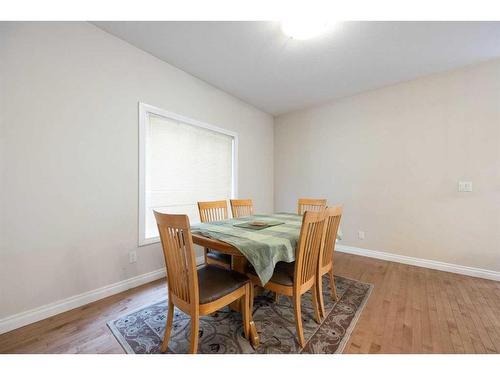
{"x": 144, "y": 111}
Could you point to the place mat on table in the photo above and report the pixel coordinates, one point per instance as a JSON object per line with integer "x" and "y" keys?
{"x": 249, "y": 225}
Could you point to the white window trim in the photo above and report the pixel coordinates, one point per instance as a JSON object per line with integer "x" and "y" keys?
{"x": 144, "y": 111}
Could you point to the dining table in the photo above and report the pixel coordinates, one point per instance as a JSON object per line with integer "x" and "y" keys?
{"x": 261, "y": 246}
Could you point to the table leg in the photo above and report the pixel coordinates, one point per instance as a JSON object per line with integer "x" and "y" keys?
{"x": 239, "y": 264}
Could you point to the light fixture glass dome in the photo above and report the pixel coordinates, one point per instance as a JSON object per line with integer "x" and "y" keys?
{"x": 303, "y": 29}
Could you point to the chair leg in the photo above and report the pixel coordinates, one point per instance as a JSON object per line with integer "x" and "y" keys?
{"x": 276, "y": 297}
{"x": 168, "y": 327}
{"x": 245, "y": 303}
{"x": 195, "y": 326}
{"x": 333, "y": 288}
{"x": 298, "y": 319}
{"x": 319, "y": 292}
{"x": 314, "y": 292}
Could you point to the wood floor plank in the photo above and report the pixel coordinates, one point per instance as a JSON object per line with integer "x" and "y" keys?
{"x": 473, "y": 312}
{"x": 435, "y": 341}
{"x": 379, "y": 322}
{"x": 411, "y": 310}
{"x": 487, "y": 316}
{"x": 391, "y": 299}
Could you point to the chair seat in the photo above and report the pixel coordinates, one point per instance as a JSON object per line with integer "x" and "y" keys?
{"x": 283, "y": 273}
{"x": 221, "y": 257}
{"x": 215, "y": 282}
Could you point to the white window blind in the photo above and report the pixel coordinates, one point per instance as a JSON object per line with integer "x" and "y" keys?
{"x": 183, "y": 163}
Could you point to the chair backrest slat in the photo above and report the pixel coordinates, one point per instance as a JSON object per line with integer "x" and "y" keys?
{"x": 309, "y": 247}
{"x": 332, "y": 221}
{"x": 241, "y": 207}
{"x": 212, "y": 211}
{"x": 180, "y": 260}
{"x": 309, "y": 204}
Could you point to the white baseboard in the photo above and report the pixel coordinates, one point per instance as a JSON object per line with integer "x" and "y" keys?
{"x": 31, "y": 316}
{"x": 426, "y": 263}
{"x": 27, "y": 317}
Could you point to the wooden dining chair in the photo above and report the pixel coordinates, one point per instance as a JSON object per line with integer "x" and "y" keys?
{"x": 241, "y": 207}
{"x": 196, "y": 292}
{"x": 296, "y": 278}
{"x": 325, "y": 265}
{"x": 308, "y": 204}
{"x": 214, "y": 211}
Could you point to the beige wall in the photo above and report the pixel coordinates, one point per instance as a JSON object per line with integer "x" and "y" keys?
{"x": 393, "y": 157}
{"x": 69, "y": 156}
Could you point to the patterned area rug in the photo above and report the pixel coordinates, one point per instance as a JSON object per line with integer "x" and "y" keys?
{"x": 141, "y": 331}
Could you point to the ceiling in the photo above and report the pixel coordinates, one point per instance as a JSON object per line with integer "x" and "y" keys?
{"x": 257, "y": 63}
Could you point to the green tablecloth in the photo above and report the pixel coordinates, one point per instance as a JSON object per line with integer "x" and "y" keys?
{"x": 263, "y": 248}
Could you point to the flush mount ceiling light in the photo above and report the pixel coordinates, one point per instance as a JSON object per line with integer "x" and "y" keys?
{"x": 303, "y": 29}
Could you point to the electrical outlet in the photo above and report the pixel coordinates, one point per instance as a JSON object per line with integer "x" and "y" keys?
{"x": 132, "y": 256}
{"x": 464, "y": 186}
{"x": 361, "y": 234}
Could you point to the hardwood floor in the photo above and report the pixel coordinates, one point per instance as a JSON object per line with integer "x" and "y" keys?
{"x": 411, "y": 310}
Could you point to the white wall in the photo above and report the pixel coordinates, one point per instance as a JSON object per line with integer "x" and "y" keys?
{"x": 393, "y": 157}
{"x": 69, "y": 156}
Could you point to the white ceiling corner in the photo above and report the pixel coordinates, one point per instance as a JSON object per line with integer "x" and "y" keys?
{"x": 255, "y": 62}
